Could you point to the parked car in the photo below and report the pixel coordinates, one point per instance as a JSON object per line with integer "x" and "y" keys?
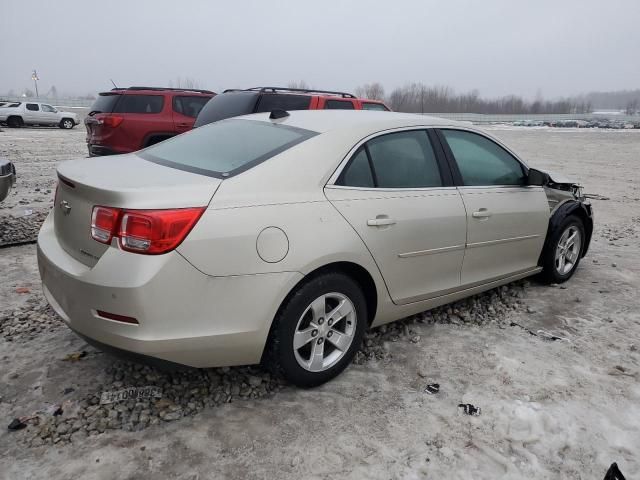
{"x": 233, "y": 103}
{"x": 211, "y": 250}
{"x": 124, "y": 120}
{"x": 19, "y": 114}
{"x": 7, "y": 177}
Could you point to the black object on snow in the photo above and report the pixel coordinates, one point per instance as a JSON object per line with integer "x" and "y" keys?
{"x": 469, "y": 409}
{"x": 432, "y": 388}
{"x": 614, "y": 473}
{"x": 17, "y": 424}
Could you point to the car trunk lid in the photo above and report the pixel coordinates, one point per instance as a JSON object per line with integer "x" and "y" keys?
{"x": 122, "y": 181}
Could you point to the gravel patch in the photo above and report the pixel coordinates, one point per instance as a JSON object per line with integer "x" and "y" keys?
{"x": 20, "y": 229}
{"x": 189, "y": 391}
{"x": 23, "y": 324}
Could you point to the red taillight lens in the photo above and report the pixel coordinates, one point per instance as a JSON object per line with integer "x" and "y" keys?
{"x": 144, "y": 231}
{"x": 104, "y": 224}
{"x": 112, "y": 120}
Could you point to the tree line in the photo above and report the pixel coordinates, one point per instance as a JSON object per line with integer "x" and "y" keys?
{"x": 420, "y": 98}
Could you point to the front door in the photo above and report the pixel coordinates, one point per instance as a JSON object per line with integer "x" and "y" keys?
{"x": 392, "y": 193}
{"x": 506, "y": 218}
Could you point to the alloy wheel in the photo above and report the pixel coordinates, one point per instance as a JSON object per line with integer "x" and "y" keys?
{"x": 568, "y": 250}
{"x": 324, "y": 332}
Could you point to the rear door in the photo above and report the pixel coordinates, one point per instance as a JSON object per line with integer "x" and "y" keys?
{"x": 32, "y": 113}
{"x": 396, "y": 192}
{"x": 506, "y": 218}
{"x": 185, "y": 110}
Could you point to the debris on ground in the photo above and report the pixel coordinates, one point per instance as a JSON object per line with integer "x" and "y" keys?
{"x": 614, "y": 473}
{"x": 17, "y": 424}
{"x": 469, "y": 409}
{"x": 432, "y": 388}
{"x": 75, "y": 356}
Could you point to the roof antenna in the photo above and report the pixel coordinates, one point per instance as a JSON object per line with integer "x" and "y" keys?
{"x": 114, "y": 83}
{"x": 278, "y": 113}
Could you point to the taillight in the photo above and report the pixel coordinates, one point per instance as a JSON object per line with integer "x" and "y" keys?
{"x": 112, "y": 120}
{"x": 104, "y": 224}
{"x": 144, "y": 231}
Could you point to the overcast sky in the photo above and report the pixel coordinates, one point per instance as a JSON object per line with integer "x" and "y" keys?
{"x": 497, "y": 46}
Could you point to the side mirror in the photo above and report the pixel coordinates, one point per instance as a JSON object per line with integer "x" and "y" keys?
{"x": 536, "y": 177}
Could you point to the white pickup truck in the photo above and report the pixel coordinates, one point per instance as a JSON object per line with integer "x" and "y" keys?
{"x": 18, "y": 114}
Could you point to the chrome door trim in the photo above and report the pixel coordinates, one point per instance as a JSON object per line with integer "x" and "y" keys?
{"x": 431, "y": 251}
{"x": 501, "y": 240}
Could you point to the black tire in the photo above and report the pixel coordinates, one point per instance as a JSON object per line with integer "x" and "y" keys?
{"x": 15, "y": 122}
{"x": 67, "y": 123}
{"x": 280, "y": 355}
{"x": 551, "y": 273}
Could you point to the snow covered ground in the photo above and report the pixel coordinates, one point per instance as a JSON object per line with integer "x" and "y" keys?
{"x": 563, "y": 408}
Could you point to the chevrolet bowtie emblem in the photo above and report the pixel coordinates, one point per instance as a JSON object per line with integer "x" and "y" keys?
{"x": 66, "y": 207}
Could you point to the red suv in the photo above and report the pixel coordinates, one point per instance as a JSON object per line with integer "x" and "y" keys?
{"x": 124, "y": 120}
{"x": 232, "y": 103}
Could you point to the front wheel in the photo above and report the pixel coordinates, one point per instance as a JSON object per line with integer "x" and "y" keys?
{"x": 562, "y": 254}
{"x": 318, "y": 330}
{"x": 67, "y": 123}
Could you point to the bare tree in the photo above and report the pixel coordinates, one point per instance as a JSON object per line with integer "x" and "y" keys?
{"x": 372, "y": 91}
{"x": 186, "y": 82}
{"x": 632, "y": 107}
{"x": 301, "y": 84}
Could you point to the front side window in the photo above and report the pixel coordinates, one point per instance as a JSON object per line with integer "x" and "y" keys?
{"x": 482, "y": 161}
{"x": 338, "y": 105}
{"x": 189, "y": 106}
{"x": 221, "y": 149}
{"x": 283, "y": 101}
{"x": 48, "y": 108}
{"x": 374, "y": 106}
{"x": 394, "y": 160}
{"x": 33, "y": 107}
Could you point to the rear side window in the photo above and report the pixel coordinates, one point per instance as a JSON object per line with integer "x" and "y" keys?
{"x": 139, "y": 104}
{"x": 339, "y": 105}
{"x": 189, "y": 105}
{"x": 105, "y": 103}
{"x": 275, "y": 101}
{"x": 482, "y": 161}
{"x": 33, "y": 107}
{"x": 226, "y": 148}
{"x": 374, "y": 106}
{"x": 395, "y": 160}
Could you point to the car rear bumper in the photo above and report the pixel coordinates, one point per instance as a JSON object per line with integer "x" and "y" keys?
{"x": 99, "y": 150}
{"x": 185, "y": 316}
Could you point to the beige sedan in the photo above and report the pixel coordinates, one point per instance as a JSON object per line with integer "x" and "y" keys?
{"x": 280, "y": 238}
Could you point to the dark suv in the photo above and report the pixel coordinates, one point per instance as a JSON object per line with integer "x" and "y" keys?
{"x": 124, "y": 120}
{"x": 232, "y": 103}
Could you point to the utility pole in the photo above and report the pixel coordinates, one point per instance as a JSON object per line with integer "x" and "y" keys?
{"x": 34, "y": 77}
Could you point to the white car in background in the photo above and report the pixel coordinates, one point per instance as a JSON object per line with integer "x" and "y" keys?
{"x": 18, "y": 114}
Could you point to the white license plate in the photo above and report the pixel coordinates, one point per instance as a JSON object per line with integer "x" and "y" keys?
{"x": 132, "y": 393}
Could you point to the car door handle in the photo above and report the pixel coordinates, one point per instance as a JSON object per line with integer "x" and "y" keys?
{"x": 380, "y": 221}
{"x": 183, "y": 125}
{"x": 482, "y": 213}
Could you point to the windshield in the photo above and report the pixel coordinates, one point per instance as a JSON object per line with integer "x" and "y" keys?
{"x": 104, "y": 103}
{"x": 226, "y": 148}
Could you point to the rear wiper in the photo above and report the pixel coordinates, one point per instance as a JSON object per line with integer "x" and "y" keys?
{"x": 93, "y": 112}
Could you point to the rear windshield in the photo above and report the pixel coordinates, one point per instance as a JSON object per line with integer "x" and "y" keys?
{"x": 110, "y": 103}
{"x": 227, "y": 105}
{"x": 104, "y": 103}
{"x": 12, "y": 105}
{"x": 225, "y": 148}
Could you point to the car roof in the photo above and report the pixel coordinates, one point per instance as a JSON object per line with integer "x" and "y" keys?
{"x": 322, "y": 121}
